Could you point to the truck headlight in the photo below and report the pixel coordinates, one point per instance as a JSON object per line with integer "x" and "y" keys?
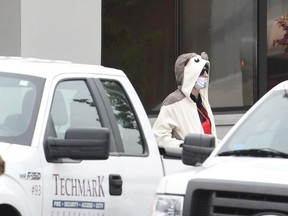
{"x": 168, "y": 205}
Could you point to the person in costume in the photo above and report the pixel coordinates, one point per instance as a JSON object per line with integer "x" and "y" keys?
{"x": 187, "y": 109}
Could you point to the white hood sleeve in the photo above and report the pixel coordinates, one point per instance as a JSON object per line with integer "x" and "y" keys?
{"x": 163, "y": 127}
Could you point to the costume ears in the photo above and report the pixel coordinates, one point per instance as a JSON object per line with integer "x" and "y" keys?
{"x": 204, "y": 56}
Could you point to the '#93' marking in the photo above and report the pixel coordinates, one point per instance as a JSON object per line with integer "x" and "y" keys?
{"x": 36, "y": 190}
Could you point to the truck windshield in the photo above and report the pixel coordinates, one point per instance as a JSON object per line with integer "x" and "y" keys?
{"x": 264, "y": 132}
{"x": 19, "y": 96}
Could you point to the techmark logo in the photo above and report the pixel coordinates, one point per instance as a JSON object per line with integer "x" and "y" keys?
{"x": 64, "y": 186}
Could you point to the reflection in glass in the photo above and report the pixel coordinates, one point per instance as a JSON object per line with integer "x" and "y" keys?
{"x": 265, "y": 128}
{"x": 140, "y": 37}
{"x": 19, "y": 106}
{"x": 277, "y": 58}
{"x": 226, "y": 30}
{"x": 125, "y": 117}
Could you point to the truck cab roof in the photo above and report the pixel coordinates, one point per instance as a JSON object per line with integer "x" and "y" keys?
{"x": 49, "y": 68}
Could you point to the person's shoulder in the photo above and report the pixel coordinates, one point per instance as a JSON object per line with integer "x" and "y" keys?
{"x": 174, "y": 97}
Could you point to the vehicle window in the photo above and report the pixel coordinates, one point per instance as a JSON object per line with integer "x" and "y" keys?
{"x": 125, "y": 116}
{"x": 72, "y": 107}
{"x": 266, "y": 127}
{"x": 19, "y": 105}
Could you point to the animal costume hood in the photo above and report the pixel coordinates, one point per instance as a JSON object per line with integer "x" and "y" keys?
{"x": 178, "y": 115}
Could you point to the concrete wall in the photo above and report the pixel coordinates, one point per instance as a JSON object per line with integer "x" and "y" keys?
{"x": 52, "y": 29}
{"x": 10, "y": 28}
{"x": 224, "y": 122}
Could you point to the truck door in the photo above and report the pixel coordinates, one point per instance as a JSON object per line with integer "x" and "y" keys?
{"x": 80, "y": 187}
{"x": 141, "y": 164}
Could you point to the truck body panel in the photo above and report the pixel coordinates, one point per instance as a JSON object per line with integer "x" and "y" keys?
{"x": 57, "y": 122}
{"x": 246, "y": 174}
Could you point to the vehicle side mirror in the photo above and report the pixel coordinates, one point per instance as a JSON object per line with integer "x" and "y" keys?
{"x": 196, "y": 148}
{"x": 170, "y": 152}
{"x": 79, "y": 144}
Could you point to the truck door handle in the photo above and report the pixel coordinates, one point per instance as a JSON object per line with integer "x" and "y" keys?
{"x": 115, "y": 184}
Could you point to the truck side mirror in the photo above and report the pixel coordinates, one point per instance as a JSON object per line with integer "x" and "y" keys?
{"x": 170, "y": 153}
{"x": 196, "y": 148}
{"x": 79, "y": 144}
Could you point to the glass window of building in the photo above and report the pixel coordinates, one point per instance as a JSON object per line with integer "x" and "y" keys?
{"x": 226, "y": 31}
{"x": 140, "y": 38}
{"x": 277, "y": 44}
{"x": 144, "y": 38}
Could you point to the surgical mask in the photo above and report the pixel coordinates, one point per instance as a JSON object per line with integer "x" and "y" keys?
{"x": 201, "y": 83}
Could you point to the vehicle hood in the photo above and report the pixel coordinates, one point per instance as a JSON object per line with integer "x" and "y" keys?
{"x": 240, "y": 169}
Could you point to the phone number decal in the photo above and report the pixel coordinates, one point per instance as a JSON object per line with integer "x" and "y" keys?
{"x": 78, "y": 204}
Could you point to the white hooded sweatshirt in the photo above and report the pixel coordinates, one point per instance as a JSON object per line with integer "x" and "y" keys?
{"x": 178, "y": 115}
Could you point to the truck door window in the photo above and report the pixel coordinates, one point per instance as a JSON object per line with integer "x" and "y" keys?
{"x": 73, "y": 107}
{"x": 125, "y": 116}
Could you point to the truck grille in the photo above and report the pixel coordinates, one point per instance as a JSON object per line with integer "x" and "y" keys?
{"x": 216, "y": 203}
{"x": 226, "y": 201}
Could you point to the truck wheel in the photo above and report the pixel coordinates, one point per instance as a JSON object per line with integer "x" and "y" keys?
{"x": 7, "y": 210}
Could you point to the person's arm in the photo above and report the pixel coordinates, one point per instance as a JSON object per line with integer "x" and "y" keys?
{"x": 163, "y": 127}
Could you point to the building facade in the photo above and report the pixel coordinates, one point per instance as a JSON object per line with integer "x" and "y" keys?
{"x": 243, "y": 38}
{"x": 245, "y": 41}
{"x": 65, "y": 30}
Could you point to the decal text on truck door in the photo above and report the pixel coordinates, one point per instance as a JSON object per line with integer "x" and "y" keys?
{"x": 78, "y": 187}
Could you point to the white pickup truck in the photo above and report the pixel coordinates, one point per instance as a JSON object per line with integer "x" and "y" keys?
{"x": 75, "y": 141}
{"x": 246, "y": 174}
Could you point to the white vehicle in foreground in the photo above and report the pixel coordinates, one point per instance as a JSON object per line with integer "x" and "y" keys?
{"x": 247, "y": 174}
{"x": 75, "y": 141}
